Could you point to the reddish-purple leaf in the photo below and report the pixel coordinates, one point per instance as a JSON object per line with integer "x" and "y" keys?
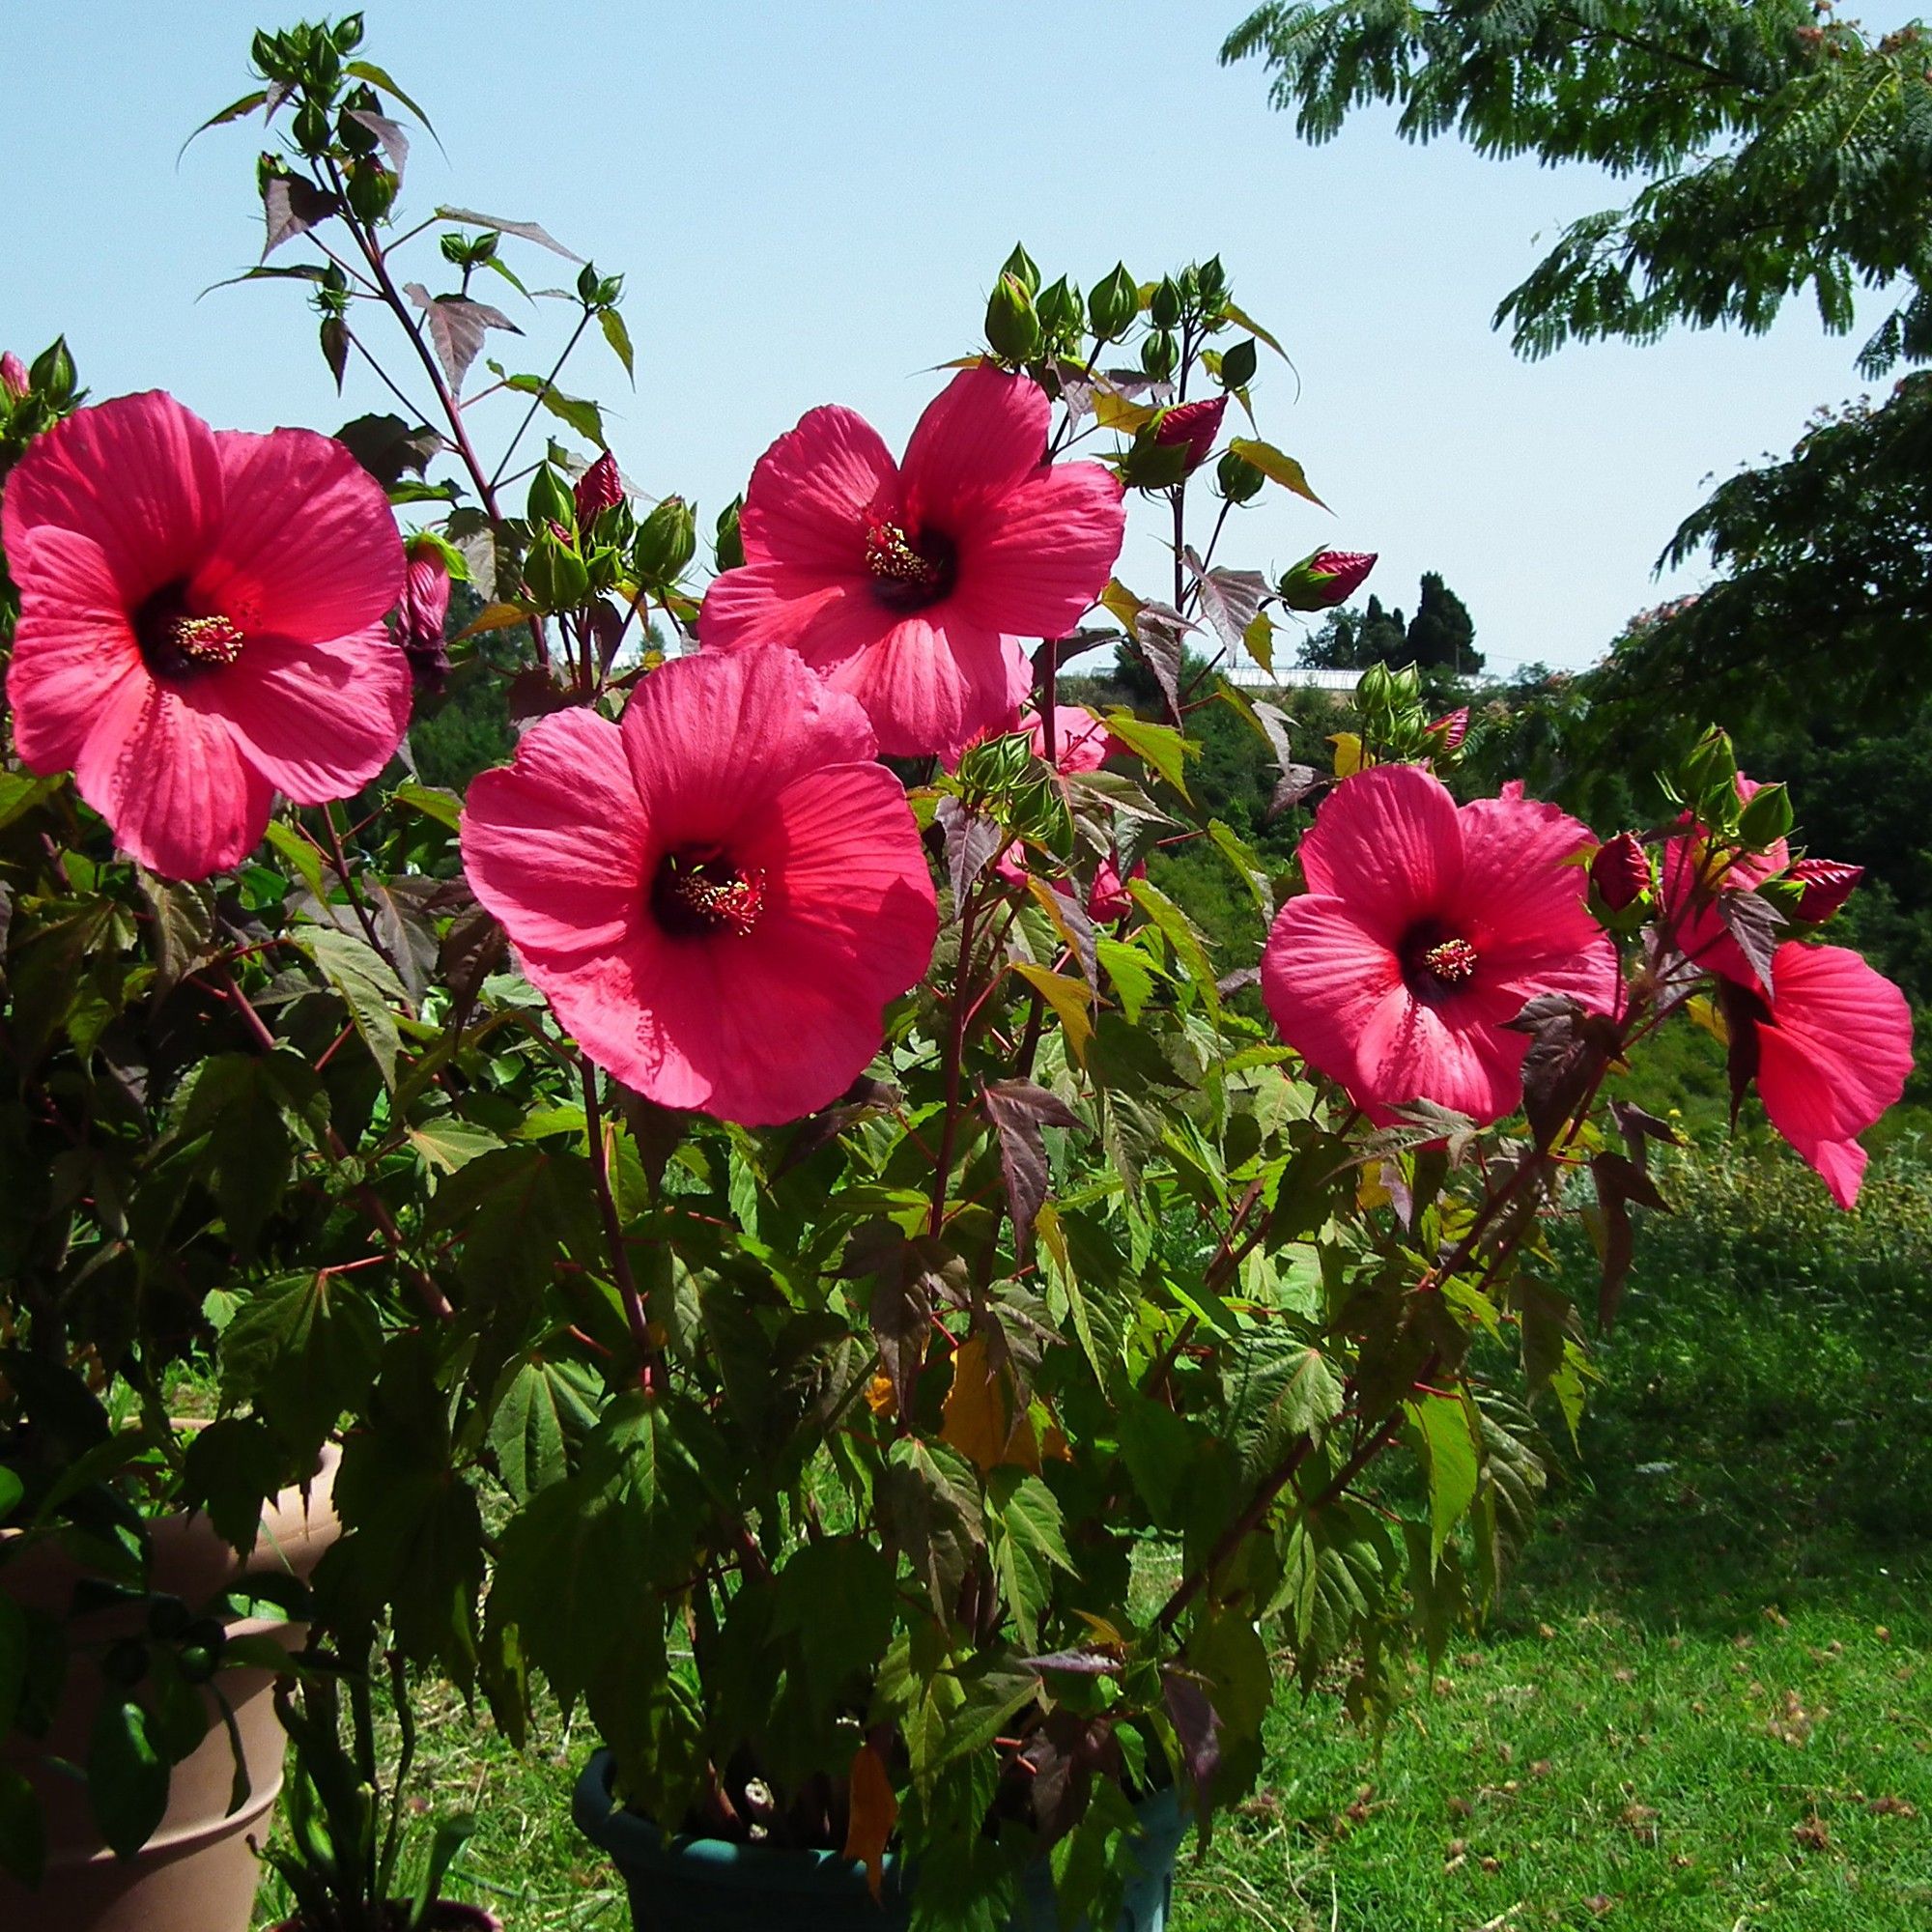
{"x": 457, "y": 325}
{"x": 291, "y": 207}
{"x": 1018, "y": 1110}
{"x": 526, "y": 231}
{"x": 395, "y": 143}
{"x": 1757, "y": 926}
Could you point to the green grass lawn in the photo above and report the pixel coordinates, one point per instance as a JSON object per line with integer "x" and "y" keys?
{"x": 1706, "y": 1705}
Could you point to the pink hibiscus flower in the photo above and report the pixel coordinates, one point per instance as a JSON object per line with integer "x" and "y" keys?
{"x": 1689, "y": 880}
{"x": 1425, "y": 930}
{"x": 720, "y": 895}
{"x": 201, "y": 625}
{"x": 1832, "y": 1047}
{"x": 910, "y": 584}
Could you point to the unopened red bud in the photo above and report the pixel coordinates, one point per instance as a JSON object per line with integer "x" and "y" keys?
{"x": 1194, "y": 426}
{"x": 599, "y": 489}
{"x": 1328, "y": 577}
{"x": 1828, "y": 885}
{"x": 14, "y": 374}
{"x": 1108, "y": 897}
{"x": 1451, "y": 728}
{"x": 1621, "y": 870}
{"x": 422, "y": 613}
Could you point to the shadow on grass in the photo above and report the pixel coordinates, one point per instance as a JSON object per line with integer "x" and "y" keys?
{"x": 1764, "y": 1432}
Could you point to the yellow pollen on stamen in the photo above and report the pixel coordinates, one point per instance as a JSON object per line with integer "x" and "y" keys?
{"x": 206, "y": 641}
{"x": 1452, "y": 962}
{"x": 891, "y": 556}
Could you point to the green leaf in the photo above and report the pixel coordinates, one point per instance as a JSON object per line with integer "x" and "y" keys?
{"x": 368, "y": 70}
{"x": 23, "y": 1832}
{"x": 299, "y": 853}
{"x": 368, "y": 987}
{"x": 257, "y": 1111}
{"x": 14, "y": 1646}
{"x": 1180, "y": 932}
{"x": 126, "y": 1775}
{"x": 236, "y": 110}
{"x": 540, "y": 1408}
{"x": 1161, "y": 746}
{"x": 1244, "y": 320}
{"x": 1276, "y": 467}
{"x": 1028, "y": 1544}
{"x": 1258, "y": 640}
{"x": 619, "y": 337}
{"x": 446, "y": 1143}
{"x": 302, "y": 1348}
{"x": 1131, "y": 974}
{"x": 432, "y": 801}
{"x": 1449, "y": 1451}
{"x": 840, "y": 1649}
{"x": 12, "y": 1490}
{"x": 1281, "y": 1391}
{"x": 1247, "y": 864}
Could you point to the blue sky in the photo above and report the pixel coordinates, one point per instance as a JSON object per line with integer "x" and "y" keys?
{"x": 810, "y": 201}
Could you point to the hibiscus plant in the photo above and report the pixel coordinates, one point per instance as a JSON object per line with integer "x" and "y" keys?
{"x": 808, "y": 1249}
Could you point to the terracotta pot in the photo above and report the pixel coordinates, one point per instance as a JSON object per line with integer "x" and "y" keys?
{"x": 198, "y": 1872}
{"x": 705, "y": 1884}
{"x": 444, "y": 1915}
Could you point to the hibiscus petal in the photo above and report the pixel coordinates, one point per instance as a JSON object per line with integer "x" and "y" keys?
{"x": 1388, "y": 842}
{"x": 320, "y": 720}
{"x": 935, "y": 683}
{"x": 138, "y": 474}
{"x": 1324, "y": 978}
{"x": 825, "y": 619}
{"x": 813, "y": 491}
{"x": 1453, "y": 1054}
{"x": 307, "y": 547}
{"x": 556, "y": 844}
{"x": 73, "y": 648}
{"x": 172, "y": 782}
{"x": 851, "y": 898}
{"x": 980, "y": 438}
{"x": 1031, "y": 561}
{"x": 713, "y": 738}
{"x": 1835, "y": 1054}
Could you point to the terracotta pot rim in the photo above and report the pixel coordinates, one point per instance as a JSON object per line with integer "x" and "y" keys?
{"x": 475, "y": 1917}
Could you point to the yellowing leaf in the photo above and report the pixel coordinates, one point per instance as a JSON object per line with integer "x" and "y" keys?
{"x": 1258, "y": 640}
{"x": 1116, "y": 411}
{"x": 879, "y": 1398}
{"x": 1369, "y": 1192}
{"x": 974, "y": 1420}
{"x": 1067, "y": 997}
{"x": 1120, "y": 604}
{"x": 1277, "y": 466}
{"x": 1704, "y": 1010}
{"x": 875, "y": 1810}
{"x": 1348, "y": 753}
{"x": 1253, "y": 327}
{"x": 494, "y": 617}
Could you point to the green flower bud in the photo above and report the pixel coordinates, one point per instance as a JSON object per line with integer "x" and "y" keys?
{"x": 1212, "y": 280}
{"x": 1012, "y": 327}
{"x": 372, "y": 188}
{"x": 312, "y": 128}
{"x": 727, "y": 545}
{"x": 52, "y": 375}
{"x": 666, "y": 541}
{"x": 1164, "y": 306}
{"x": 1113, "y": 303}
{"x": 551, "y": 500}
{"x": 556, "y": 578}
{"x": 1767, "y": 817}
{"x": 1021, "y": 266}
{"x": 1060, "y": 309}
{"x": 1160, "y": 352}
{"x": 1239, "y": 480}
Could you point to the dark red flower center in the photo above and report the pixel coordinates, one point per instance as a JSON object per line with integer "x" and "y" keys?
{"x": 907, "y": 574}
{"x": 1436, "y": 961}
{"x": 700, "y": 892}
{"x": 180, "y": 644}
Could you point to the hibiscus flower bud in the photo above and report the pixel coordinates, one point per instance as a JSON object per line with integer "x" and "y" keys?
{"x": 1447, "y": 733}
{"x": 1239, "y": 480}
{"x": 12, "y": 376}
{"x": 1326, "y": 579}
{"x": 599, "y": 489}
{"x": 1111, "y": 303}
{"x": 1193, "y": 427}
{"x": 421, "y": 614}
{"x": 1828, "y": 885}
{"x": 1767, "y": 817}
{"x": 1620, "y": 872}
{"x": 1012, "y": 326}
{"x": 666, "y": 541}
{"x": 1108, "y": 897}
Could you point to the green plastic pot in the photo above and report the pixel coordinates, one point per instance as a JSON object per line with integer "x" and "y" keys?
{"x": 707, "y": 1885}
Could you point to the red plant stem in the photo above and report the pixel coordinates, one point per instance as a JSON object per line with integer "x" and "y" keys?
{"x": 651, "y": 1363}
{"x": 379, "y": 268}
{"x": 955, "y": 1052}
